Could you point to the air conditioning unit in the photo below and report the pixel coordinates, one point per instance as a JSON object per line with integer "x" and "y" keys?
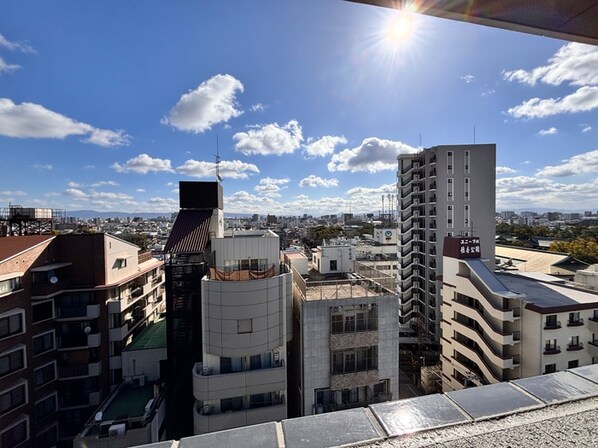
{"x": 117, "y": 430}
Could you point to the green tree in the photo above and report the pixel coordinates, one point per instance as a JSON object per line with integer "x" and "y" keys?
{"x": 136, "y": 238}
{"x": 584, "y": 249}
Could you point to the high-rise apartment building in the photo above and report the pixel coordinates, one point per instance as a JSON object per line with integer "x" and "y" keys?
{"x": 69, "y": 304}
{"x": 442, "y": 191}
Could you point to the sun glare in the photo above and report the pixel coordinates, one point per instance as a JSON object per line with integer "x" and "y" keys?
{"x": 400, "y": 27}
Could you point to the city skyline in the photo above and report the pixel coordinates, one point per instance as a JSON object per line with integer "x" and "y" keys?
{"x": 107, "y": 107}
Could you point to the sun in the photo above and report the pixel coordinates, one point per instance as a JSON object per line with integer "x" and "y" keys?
{"x": 400, "y": 28}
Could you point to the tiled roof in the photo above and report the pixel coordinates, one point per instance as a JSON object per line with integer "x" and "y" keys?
{"x": 190, "y": 233}
{"x": 13, "y": 245}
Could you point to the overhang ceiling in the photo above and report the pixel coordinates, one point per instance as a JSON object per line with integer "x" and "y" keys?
{"x": 574, "y": 20}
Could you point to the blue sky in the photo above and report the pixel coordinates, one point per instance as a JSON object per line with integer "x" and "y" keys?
{"x": 107, "y": 105}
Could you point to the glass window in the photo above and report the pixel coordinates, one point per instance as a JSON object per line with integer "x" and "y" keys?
{"x": 11, "y": 325}
{"x": 46, "y": 406}
{"x": 44, "y": 374}
{"x": 244, "y": 326}
{"x": 11, "y": 362}
{"x": 231, "y": 404}
{"x": 333, "y": 265}
{"x": 550, "y": 368}
{"x": 43, "y": 343}
{"x": 16, "y": 434}
{"x": 42, "y": 311}
{"x": 13, "y": 398}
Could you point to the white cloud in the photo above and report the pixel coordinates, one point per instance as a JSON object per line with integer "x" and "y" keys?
{"x": 527, "y": 162}
{"x": 23, "y": 47}
{"x": 29, "y": 120}
{"x": 468, "y": 78}
{"x": 504, "y": 170}
{"x": 140, "y": 190}
{"x": 75, "y": 193}
{"x": 102, "y": 183}
{"x": 313, "y": 181}
{"x": 13, "y": 193}
{"x": 39, "y": 166}
{"x": 302, "y": 196}
{"x": 323, "y": 146}
{"x": 579, "y": 164}
{"x": 574, "y": 63}
{"x": 549, "y": 131}
{"x": 375, "y": 192}
{"x": 89, "y": 167}
{"x": 232, "y": 169}
{"x": 583, "y": 100}
{"x": 108, "y": 195}
{"x": 143, "y": 164}
{"x": 6, "y": 67}
{"x": 372, "y": 155}
{"x": 586, "y": 129}
{"x": 270, "y": 139}
{"x": 212, "y": 102}
{"x": 258, "y": 107}
{"x": 162, "y": 204}
{"x": 273, "y": 181}
{"x": 524, "y": 191}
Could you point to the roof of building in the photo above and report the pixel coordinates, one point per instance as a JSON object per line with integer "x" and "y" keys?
{"x": 152, "y": 336}
{"x": 129, "y": 402}
{"x": 534, "y": 260}
{"x": 549, "y": 296}
{"x": 559, "y": 409}
{"x": 14, "y": 245}
{"x": 573, "y": 20}
{"x": 190, "y": 232}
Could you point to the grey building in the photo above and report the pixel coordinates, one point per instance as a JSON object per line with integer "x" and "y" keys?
{"x": 442, "y": 191}
{"x": 346, "y": 343}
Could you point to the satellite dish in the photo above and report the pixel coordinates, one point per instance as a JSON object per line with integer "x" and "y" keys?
{"x": 53, "y": 279}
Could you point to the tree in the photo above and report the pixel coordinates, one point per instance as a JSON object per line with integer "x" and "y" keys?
{"x": 584, "y": 249}
{"x": 136, "y": 238}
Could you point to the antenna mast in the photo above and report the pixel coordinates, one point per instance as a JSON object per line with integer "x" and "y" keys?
{"x": 218, "y": 178}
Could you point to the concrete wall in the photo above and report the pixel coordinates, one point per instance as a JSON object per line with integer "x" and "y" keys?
{"x": 143, "y": 362}
{"x": 241, "y": 247}
{"x": 116, "y": 248}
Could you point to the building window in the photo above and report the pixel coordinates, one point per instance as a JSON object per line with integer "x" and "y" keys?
{"x": 595, "y": 315}
{"x": 42, "y": 311}
{"x": 16, "y": 434}
{"x": 260, "y": 400}
{"x": 467, "y": 162}
{"x": 449, "y": 189}
{"x": 244, "y": 326}
{"x": 47, "y": 437}
{"x": 13, "y": 398}
{"x": 44, "y": 374}
{"x": 573, "y": 364}
{"x": 449, "y": 216}
{"x": 353, "y": 318}
{"x": 255, "y": 362}
{"x": 550, "y": 368}
{"x": 551, "y": 322}
{"x": 120, "y": 263}
{"x": 12, "y": 361}
{"x": 43, "y": 343}
{"x": 467, "y": 216}
{"x": 574, "y": 319}
{"x": 46, "y": 406}
{"x": 551, "y": 347}
{"x": 10, "y": 285}
{"x": 231, "y": 404}
{"x": 449, "y": 162}
{"x": 467, "y": 189}
{"x": 333, "y": 266}
{"x": 354, "y": 360}
{"x": 12, "y": 324}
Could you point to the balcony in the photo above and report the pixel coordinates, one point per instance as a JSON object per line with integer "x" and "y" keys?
{"x": 552, "y": 349}
{"x": 575, "y": 347}
{"x": 79, "y": 340}
{"x": 119, "y": 333}
{"x": 354, "y": 379}
{"x": 205, "y": 420}
{"x": 352, "y": 340}
{"x": 575, "y": 323}
{"x": 552, "y": 325}
{"x": 208, "y": 386}
{"x": 78, "y": 312}
{"x": 593, "y": 324}
{"x": 80, "y": 370}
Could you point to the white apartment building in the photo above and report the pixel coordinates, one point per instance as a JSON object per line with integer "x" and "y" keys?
{"x": 442, "y": 191}
{"x": 246, "y": 317}
{"x": 504, "y": 326}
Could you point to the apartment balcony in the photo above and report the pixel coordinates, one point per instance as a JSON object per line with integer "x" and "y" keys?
{"x": 78, "y": 400}
{"x": 343, "y": 341}
{"x": 80, "y": 370}
{"x": 432, "y": 199}
{"x": 575, "y": 347}
{"x": 471, "y": 354}
{"x": 209, "y": 386}
{"x": 205, "y": 420}
{"x": 482, "y": 346}
{"x": 354, "y": 379}
{"x": 593, "y": 324}
{"x": 552, "y": 349}
{"x": 119, "y": 333}
{"x": 77, "y": 312}
{"x": 487, "y": 322}
{"x": 552, "y": 325}
{"x": 79, "y": 340}
{"x": 593, "y": 348}
{"x": 493, "y": 309}
{"x": 575, "y": 323}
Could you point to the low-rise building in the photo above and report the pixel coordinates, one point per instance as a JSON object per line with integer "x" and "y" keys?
{"x": 505, "y": 326}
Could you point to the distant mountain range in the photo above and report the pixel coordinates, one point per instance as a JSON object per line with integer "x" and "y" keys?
{"x": 90, "y": 214}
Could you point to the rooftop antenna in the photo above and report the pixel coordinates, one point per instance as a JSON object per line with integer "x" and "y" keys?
{"x": 420, "y": 139}
{"x": 474, "y": 134}
{"x": 218, "y": 178}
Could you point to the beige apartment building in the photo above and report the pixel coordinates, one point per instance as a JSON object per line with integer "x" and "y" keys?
{"x": 442, "y": 191}
{"x": 504, "y": 326}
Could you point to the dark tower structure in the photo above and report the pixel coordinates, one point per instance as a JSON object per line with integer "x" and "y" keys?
{"x": 18, "y": 220}
{"x": 187, "y": 258}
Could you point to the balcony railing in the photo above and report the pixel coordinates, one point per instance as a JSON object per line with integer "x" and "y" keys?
{"x": 552, "y": 349}
{"x": 552, "y": 325}
{"x": 575, "y": 323}
{"x": 574, "y": 347}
